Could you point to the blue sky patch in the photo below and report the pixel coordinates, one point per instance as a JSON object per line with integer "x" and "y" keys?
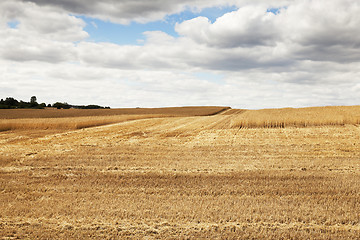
{"x": 132, "y": 34}
{"x": 102, "y": 31}
{"x": 275, "y": 11}
{"x": 211, "y": 77}
{"x": 13, "y": 24}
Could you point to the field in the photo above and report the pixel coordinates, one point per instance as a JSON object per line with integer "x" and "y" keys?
{"x": 66, "y": 113}
{"x": 51, "y": 119}
{"x": 305, "y": 117}
{"x": 232, "y": 175}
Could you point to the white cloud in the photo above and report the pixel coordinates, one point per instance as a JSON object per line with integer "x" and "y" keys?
{"x": 321, "y": 22}
{"x": 42, "y": 21}
{"x": 306, "y": 54}
{"x": 309, "y": 30}
{"x": 41, "y": 34}
{"x": 246, "y": 27}
{"x": 16, "y": 46}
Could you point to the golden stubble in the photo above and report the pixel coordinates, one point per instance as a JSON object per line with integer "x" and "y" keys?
{"x": 181, "y": 177}
{"x": 70, "y": 119}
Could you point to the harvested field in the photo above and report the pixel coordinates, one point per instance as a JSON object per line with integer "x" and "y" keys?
{"x": 26, "y": 119}
{"x": 67, "y": 123}
{"x": 181, "y": 177}
{"x": 65, "y": 113}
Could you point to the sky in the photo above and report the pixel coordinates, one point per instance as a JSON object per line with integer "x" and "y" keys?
{"x": 248, "y": 54}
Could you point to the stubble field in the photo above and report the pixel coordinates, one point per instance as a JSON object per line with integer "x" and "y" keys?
{"x": 185, "y": 177}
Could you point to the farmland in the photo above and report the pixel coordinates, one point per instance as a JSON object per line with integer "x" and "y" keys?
{"x": 66, "y": 113}
{"x": 280, "y": 173}
{"x": 27, "y": 119}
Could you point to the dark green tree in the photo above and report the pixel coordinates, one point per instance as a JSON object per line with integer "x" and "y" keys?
{"x": 33, "y": 102}
{"x": 33, "y": 99}
{"x": 60, "y": 105}
{"x": 11, "y": 102}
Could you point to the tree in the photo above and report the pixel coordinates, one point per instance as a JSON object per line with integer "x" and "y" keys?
{"x": 11, "y": 101}
{"x": 33, "y": 99}
{"x": 33, "y": 102}
{"x": 23, "y": 104}
{"x": 42, "y": 105}
{"x": 60, "y": 105}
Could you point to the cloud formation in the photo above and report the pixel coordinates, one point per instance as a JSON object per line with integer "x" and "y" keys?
{"x": 124, "y": 11}
{"x": 41, "y": 33}
{"x": 309, "y": 30}
{"x": 303, "y": 53}
{"x": 246, "y": 27}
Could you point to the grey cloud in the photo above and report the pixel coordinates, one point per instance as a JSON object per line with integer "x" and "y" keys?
{"x": 335, "y": 53}
{"x": 44, "y": 22}
{"x": 165, "y": 52}
{"x": 9, "y": 10}
{"x": 42, "y": 33}
{"x": 321, "y": 22}
{"x": 20, "y": 47}
{"x": 49, "y": 54}
{"x": 235, "y": 61}
{"x": 305, "y": 30}
{"x": 124, "y": 11}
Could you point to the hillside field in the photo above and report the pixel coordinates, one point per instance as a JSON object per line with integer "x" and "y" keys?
{"x": 181, "y": 174}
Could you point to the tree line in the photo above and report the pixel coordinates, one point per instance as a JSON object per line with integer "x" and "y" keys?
{"x": 12, "y": 103}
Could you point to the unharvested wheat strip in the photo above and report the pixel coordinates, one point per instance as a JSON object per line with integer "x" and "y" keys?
{"x": 303, "y": 117}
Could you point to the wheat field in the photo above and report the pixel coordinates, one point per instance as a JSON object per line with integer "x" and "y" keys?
{"x": 66, "y": 113}
{"x": 70, "y": 119}
{"x": 304, "y": 117}
{"x": 183, "y": 177}
{"x": 68, "y": 123}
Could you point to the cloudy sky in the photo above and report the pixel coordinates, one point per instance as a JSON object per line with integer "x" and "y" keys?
{"x": 140, "y": 53}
